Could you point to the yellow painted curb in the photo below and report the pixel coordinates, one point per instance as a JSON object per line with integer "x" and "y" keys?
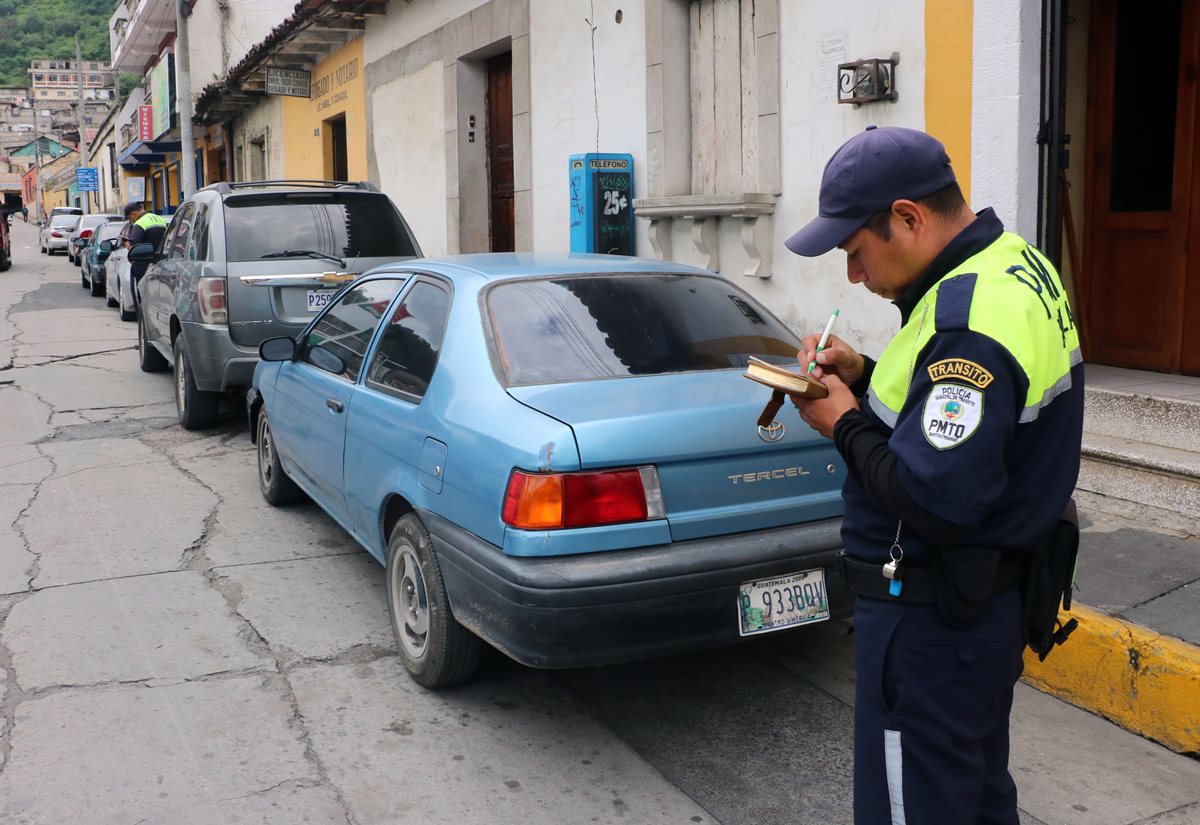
{"x": 1142, "y": 680}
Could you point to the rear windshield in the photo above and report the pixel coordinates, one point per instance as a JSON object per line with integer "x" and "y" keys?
{"x": 343, "y": 224}
{"x": 111, "y": 230}
{"x": 64, "y": 220}
{"x": 609, "y": 326}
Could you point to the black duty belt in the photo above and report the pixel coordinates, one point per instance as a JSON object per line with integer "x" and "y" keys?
{"x": 866, "y": 579}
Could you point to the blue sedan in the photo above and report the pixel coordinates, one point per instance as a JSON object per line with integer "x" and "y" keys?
{"x": 557, "y": 455}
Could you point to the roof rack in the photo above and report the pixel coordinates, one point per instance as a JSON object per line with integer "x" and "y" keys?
{"x": 225, "y": 188}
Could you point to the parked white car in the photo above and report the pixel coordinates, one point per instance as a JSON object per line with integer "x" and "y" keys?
{"x": 116, "y": 279}
{"x": 54, "y": 234}
{"x": 84, "y": 229}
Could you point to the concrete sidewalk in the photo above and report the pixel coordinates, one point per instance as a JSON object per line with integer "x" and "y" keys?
{"x": 1135, "y": 657}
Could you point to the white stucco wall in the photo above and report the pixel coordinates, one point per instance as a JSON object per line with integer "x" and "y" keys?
{"x": 563, "y": 106}
{"x": 803, "y": 292}
{"x": 265, "y": 118}
{"x": 1005, "y": 82}
{"x": 410, "y": 21}
{"x": 410, "y": 152}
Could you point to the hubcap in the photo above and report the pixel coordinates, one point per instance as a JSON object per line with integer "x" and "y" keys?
{"x": 266, "y": 453}
{"x": 410, "y": 603}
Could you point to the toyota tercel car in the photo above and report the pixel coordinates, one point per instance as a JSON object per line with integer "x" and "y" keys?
{"x": 557, "y": 455}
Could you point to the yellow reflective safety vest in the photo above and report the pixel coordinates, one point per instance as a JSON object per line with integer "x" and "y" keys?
{"x": 980, "y": 395}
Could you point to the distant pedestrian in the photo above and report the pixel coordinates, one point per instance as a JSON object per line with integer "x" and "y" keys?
{"x": 144, "y": 227}
{"x": 25, "y": 213}
{"x": 945, "y": 495}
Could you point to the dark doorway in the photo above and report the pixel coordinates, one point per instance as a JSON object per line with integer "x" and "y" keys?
{"x": 1142, "y": 266}
{"x": 335, "y": 149}
{"x": 501, "y": 215}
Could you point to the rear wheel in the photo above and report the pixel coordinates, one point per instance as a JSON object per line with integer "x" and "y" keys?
{"x": 197, "y": 408}
{"x": 274, "y": 483}
{"x": 149, "y": 359}
{"x": 83, "y": 280}
{"x": 96, "y": 284}
{"x": 436, "y": 650}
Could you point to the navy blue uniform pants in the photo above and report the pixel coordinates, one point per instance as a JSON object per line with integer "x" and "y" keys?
{"x": 931, "y": 715}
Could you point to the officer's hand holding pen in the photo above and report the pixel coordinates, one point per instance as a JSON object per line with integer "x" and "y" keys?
{"x": 837, "y": 358}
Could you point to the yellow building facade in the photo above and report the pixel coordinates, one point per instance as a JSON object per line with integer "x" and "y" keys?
{"x": 325, "y": 134}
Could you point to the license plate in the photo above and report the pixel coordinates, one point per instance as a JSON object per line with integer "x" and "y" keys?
{"x": 318, "y": 299}
{"x": 786, "y": 601}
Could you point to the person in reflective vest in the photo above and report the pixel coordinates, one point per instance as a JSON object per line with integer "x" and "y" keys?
{"x": 144, "y": 227}
{"x": 962, "y": 445}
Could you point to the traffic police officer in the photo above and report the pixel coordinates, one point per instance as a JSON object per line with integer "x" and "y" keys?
{"x": 962, "y": 455}
{"x": 144, "y": 227}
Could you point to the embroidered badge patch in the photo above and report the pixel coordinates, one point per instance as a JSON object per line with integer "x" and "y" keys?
{"x": 952, "y": 415}
{"x": 960, "y": 369}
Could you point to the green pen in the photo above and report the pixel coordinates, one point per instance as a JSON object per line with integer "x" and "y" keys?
{"x": 824, "y": 339}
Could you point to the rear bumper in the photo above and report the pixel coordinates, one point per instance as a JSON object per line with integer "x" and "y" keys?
{"x": 624, "y": 605}
{"x": 218, "y": 364}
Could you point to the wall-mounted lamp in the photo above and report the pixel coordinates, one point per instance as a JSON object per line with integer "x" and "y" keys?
{"x": 868, "y": 81}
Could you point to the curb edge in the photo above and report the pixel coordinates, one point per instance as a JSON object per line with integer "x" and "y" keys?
{"x": 1144, "y": 681}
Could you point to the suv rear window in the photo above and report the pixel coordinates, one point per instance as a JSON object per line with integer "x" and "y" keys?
{"x": 609, "y": 326}
{"x": 343, "y": 224}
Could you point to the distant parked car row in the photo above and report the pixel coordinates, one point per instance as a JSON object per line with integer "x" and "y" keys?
{"x": 555, "y": 455}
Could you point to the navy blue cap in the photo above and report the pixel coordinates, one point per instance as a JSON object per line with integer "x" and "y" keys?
{"x": 866, "y": 175}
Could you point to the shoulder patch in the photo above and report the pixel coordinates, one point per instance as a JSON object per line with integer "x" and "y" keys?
{"x": 952, "y": 415}
{"x": 960, "y": 369}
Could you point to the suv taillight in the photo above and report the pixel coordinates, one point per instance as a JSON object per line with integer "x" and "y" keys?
{"x": 210, "y": 292}
{"x": 550, "y": 501}
{"x": 87, "y": 233}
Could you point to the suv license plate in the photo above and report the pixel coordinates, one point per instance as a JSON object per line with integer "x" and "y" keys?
{"x": 318, "y": 299}
{"x": 786, "y": 601}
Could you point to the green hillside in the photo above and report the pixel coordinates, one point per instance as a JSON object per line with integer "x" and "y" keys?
{"x": 46, "y": 28}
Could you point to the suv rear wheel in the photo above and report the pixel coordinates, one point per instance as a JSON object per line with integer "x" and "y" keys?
{"x": 197, "y": 408}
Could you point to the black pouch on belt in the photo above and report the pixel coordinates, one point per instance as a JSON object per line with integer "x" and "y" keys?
{"x": 1049, "y": 579}
{"x": 963, "y": 582}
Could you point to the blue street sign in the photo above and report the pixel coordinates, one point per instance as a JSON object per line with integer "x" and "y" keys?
{"x": 87, "y": 179}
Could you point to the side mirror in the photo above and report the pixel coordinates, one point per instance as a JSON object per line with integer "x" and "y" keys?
{"x": 107, "y": 246}
{"x": 143, "y": 253}
{"x": 80, "y": 242}
{"x": 326, "y": 360}
{"x": 276, "y": 349}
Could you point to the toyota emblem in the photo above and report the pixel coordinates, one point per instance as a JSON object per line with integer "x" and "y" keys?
{"x": 772, "y": 433}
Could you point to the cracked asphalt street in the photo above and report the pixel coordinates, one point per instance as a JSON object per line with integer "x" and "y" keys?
{"x": 175, "y": 650}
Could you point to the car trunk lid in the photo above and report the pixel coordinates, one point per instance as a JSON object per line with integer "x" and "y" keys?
{"x": 699, "y": 429}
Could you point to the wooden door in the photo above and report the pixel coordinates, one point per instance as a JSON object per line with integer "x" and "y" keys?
{"x": 1141, "y": 203}
{"x": 501, "y": 215}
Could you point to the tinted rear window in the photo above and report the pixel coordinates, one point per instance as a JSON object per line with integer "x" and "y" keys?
{"x": 345, "y": 224}
{"x": 609, "y": 326}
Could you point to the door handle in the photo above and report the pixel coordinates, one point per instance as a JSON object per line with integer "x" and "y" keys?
{"x": 333, "y": 404}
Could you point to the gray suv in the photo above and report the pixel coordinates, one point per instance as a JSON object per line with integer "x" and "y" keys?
{"x": 243, "y": 262}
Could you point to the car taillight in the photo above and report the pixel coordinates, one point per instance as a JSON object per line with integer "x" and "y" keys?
{"x": 211, "y": 294}
{"x": 549, "y": 501}
{"x": 87, "y": 233}
{"x": 56, "y": 234}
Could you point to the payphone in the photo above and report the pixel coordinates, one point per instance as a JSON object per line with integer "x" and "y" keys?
{"x": 602, "y": 203}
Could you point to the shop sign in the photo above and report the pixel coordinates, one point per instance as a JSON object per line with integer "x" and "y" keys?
{"x": 160, "y": 94}
{"x": 145, "y": 123}
{"x": 291, "y": 82}
{"x": 329, "y": 89}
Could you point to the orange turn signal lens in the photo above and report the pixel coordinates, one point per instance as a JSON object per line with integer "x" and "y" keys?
{"x": 534, "y": 502}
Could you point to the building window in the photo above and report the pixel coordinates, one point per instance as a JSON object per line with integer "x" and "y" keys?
{"x": 38, "y": 78}
{"x": 62, "y": 93}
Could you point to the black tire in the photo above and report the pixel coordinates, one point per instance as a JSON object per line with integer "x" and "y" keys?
{"x": 273, "y": 482}
{"x": 149, "y": 359}
{"x": 436, "y": 650}
{"x": 83, "y": 280}
{"x": 109, "y": 300}
{"x": 97, "y": 286}
{"x": 197, "y": 408}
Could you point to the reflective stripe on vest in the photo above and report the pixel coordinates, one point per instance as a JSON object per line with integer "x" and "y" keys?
{"x": 1008, "y": 292}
